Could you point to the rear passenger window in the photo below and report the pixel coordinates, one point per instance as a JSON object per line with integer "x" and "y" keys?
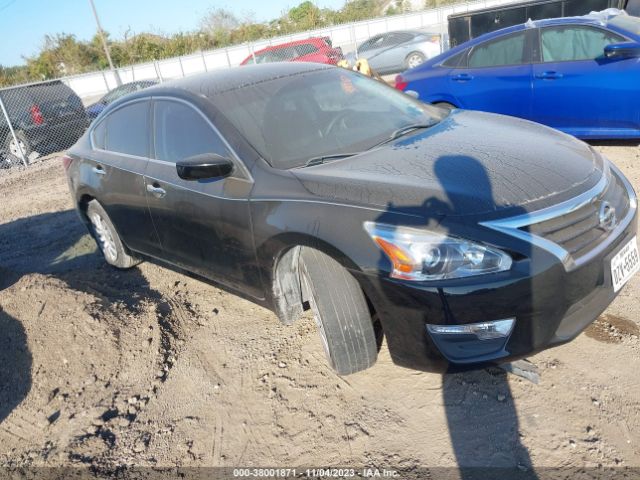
{"x": 127, "y": 130}
{"x": 181, "y": 132}
{"x": 501, "y": 52}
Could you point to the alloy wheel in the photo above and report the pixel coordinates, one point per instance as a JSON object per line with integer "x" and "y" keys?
{"x": 105, "y": 237}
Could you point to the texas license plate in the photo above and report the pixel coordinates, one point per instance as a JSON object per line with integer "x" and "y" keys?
{"x": 625, "y": 264}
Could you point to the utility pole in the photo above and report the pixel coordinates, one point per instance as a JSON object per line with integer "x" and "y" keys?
{"x": 104, "y": 43}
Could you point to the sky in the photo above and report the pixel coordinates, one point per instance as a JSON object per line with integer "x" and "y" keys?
{"x": 24, "y": 23}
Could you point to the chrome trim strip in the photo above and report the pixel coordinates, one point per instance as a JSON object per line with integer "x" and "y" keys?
{"x": 511, "y": 226}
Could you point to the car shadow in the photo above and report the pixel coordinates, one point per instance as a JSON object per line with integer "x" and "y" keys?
{"x": 55, "y": 245}
{"x": 481, "y": 412}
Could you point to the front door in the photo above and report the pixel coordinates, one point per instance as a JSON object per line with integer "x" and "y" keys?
{"x": 577, "y": 89}
{"x": 204, "y": 226}
{"x": 496, "y": 77}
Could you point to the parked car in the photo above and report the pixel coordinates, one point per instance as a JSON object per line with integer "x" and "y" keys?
{"x": 462, "y": 237}
{"x": 45, "y": 117}
{"x": 317, "y": 50}
{"x": 468, "y": 25}
{"x": 393, "y": 52}
{"x": 578, "y": 75}
{"x": 96, "y": 108}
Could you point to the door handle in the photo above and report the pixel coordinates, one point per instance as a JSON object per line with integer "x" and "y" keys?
{"x": 549, "y": 76}
{"x": 462, "y": 77}
{"x": 156, "y": 190}
{"x": 98, "y": 170}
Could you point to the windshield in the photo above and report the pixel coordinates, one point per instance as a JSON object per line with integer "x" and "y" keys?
{"x": 627, "y": 22}
{"x": 290, "y": 120}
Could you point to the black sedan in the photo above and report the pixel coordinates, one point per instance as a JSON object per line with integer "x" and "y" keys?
{"x": 462, "y": 238}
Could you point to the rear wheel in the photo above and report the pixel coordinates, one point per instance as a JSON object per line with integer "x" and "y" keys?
{"x": 341, "y": 312}
{"x": 114, "y": 251}
{"x": 414, "y": 59}
{"x": 17, "y": 147}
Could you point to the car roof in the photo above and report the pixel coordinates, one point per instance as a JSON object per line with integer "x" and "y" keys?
{"x": 210, "y": 84}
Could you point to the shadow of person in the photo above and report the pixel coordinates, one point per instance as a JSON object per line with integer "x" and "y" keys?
{"x": 480, "y": 410}
{"x": 15, "y": 364}
{"x": 55, "y": 244}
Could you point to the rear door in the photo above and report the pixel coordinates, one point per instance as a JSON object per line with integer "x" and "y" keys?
{"x": 577, "y": 89}
{"x": 496, "y": 76}
{"x": 115, "y": 173}
{"x": 204, "y": 226}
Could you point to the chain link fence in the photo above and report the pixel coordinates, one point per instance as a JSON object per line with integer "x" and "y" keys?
{"x": 43, "y": 118}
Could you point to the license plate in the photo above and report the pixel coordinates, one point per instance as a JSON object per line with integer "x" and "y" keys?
{"x": 625, "y": 264}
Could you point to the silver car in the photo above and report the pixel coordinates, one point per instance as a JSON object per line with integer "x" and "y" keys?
{"x": 394, "y": 52}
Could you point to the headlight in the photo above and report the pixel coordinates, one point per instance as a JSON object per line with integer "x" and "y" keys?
{"x": 420, "y": 255}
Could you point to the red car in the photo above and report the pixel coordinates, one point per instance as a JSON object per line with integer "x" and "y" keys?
{"x": 318, "y": 50}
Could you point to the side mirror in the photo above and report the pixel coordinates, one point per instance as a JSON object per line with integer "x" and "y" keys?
{"x": 622, "y": 50}
{"x": 204, "y": 166}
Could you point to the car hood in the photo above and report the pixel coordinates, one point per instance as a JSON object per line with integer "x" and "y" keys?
{"x": 470, "y": 163}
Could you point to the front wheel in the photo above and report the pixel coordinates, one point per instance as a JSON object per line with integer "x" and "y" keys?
{"x": 105, "y": 234}
{"x": 341, "y": 312}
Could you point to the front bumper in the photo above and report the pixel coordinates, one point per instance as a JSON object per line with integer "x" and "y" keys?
{"x": 551, "y": 305}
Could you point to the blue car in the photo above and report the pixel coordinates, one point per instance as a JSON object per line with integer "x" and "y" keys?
{"x": 580, "y": 75}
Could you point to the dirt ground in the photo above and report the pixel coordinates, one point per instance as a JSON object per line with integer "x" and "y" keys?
{"x": 151, "y": 367}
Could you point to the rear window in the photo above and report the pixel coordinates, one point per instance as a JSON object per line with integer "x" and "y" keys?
{"x": 126, "y": 130}
{"x": 628, "y": 22}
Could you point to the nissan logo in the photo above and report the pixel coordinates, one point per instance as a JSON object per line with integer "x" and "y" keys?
{"x": 607, "y": 217}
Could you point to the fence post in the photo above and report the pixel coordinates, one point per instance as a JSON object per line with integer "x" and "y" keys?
{"x": 106, "y": 83}
{"x": 158, "y": 72}
{"x": 253, "y": 53}
{"x": 204, "y": 61}
{"x": 226, "y": 52}
{"x": 13, "y": 133}
{"x": 181, "y": 67}
{"x": 352, "y": 33}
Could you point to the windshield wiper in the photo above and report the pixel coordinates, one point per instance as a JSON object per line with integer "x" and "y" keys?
{"x": 324, "y": 158}
{"x": 403, "y": 131}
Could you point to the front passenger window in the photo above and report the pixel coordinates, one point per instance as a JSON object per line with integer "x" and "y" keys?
{"x": 181, "y": 132}
{"x": 501, "y": 52}
{"x": 565, "y": 44}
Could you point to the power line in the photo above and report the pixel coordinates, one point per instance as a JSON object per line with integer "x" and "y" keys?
{"x": 7, "y": 5}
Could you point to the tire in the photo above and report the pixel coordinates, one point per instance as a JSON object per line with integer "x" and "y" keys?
{"x": 11, "y": 147}
{"x": 414, "y": 59}
{"x": 446, "y": 105}
{"x": 341, "y": 312}
{"x": 107, "y": 238}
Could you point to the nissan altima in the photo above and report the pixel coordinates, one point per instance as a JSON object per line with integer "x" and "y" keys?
{"x": 459, "y": 238}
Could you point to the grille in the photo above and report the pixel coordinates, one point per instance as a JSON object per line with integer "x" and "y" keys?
{"x": 579, "y": 231}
